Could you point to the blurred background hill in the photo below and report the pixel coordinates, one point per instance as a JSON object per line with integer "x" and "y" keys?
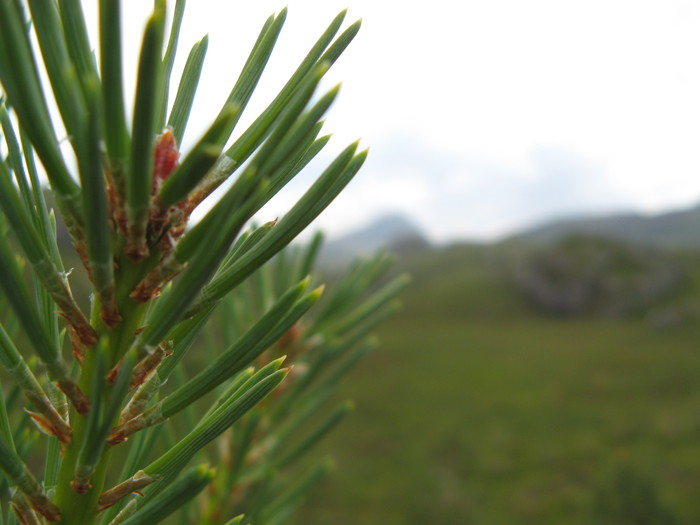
{"x": 395, "y": 232}
{"x": 549, "y": 378}
{"x": 674, "y": 229}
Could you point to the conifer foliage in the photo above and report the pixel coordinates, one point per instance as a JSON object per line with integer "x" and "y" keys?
{"x": 104, "y": 415}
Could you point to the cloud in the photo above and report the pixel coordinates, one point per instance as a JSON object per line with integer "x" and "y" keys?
{"x": 462, "y": 197}
{"x": 482, "y": 116}
{"x": 564, "y": 183}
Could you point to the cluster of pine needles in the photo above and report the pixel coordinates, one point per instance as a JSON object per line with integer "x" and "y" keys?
{"x": 109, "y": 435}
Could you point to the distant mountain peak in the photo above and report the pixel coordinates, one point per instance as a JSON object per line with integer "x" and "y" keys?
{"x": 391, "y": 231}
{"x": 389, "y": 228}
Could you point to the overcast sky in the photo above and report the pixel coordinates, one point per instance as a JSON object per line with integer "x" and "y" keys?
{"x": 483, "y": 116}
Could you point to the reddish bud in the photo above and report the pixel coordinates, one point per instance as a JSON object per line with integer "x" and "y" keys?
{"x": 166, "y": 158}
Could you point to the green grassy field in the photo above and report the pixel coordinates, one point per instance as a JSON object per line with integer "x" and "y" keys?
{"x": 475, "y": 409}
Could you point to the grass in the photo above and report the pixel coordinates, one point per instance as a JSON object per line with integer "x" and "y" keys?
{"x": 477, "y": 410}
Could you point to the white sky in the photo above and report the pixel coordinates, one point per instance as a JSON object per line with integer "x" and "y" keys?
{"x": 482, "y": 116}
